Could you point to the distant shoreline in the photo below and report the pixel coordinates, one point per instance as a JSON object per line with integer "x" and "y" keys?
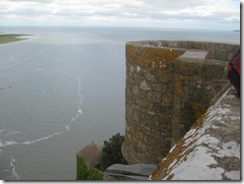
{"x": 8, "y": 38}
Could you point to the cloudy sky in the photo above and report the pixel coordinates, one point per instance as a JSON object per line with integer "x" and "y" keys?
{"x": 189, "y": 14}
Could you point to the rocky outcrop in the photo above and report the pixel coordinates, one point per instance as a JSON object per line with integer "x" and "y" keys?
{"x": 211, "y": 149}
{"x": 169, "y": 85}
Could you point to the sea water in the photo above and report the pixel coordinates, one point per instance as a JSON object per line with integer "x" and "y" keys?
{"x": 64, "y": 88}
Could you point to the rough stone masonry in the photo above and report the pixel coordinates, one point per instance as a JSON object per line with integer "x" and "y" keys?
{"x": 210, "y": 150}
{"x": 169, "y": 85}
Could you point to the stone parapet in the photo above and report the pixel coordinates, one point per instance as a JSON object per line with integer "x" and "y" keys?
{"x": 169, "y": 85}
{"x": 128, "y": 172}
{"x": 210, "y": 150}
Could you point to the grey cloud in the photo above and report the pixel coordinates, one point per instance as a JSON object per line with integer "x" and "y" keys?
{"x": 162, "y": 5}
{"x": 39, "y": 1}
{"x": 157, "y": 9}
{"x": 133, "y": 10}
{"x": 29, "y": 12}
{"x": 70, "y": 14}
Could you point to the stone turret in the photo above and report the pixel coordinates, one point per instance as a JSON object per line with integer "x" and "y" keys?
{"x": 169, "y": 84}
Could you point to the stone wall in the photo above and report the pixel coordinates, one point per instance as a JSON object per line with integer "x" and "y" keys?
{"x": 210, "y": 150}
{"x": 169, "y": 84}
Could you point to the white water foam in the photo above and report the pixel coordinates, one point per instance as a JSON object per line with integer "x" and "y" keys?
{"x": 67, "y": 127}
{"x": 23, "y": 60}
{"x": 41, "y": 139}
{"x": 79, "y": 110}
{"x": 1, "y": 144}
{"x": 10, "y": 143}
{"x": 8, "y": 133}
{"x": 80, "y": 95}
{"x": 15, "y": 175}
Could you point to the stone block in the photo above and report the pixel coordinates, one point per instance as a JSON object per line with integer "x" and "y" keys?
{"x": 194, "y": 54}
{"x": 146, "y": 85}
{"x": 220, "y": 55}
{"x": 154, "y": 96}
{"x": 211, "y": 72}
{"x": 159, "y": 87}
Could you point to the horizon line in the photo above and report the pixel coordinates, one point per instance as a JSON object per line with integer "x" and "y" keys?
{"x": 106, "y": 26}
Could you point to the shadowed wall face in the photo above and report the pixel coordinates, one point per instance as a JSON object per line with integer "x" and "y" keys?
{"x": 169, "y": 85}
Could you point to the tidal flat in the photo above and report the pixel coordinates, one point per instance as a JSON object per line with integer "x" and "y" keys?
{"x": 7, "y": 38}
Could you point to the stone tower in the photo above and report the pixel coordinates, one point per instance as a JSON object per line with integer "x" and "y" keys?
{"x": 169, "y": 85}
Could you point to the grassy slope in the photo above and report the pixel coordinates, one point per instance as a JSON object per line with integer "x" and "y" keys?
{"x": 86, "y": 173}
{"x": 7, "y": 38}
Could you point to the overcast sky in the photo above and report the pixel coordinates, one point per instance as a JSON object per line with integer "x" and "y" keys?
{"x": 189, "y": 14}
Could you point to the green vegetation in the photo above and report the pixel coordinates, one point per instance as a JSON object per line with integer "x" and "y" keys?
{"x": 87, "y": 173}
{"x": 7, "y": 38}
{"x": 111, "y": 152}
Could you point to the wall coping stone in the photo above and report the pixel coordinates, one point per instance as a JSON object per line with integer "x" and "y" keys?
{"x": 194, "y": 54}
{"x": 210, "y": 150}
